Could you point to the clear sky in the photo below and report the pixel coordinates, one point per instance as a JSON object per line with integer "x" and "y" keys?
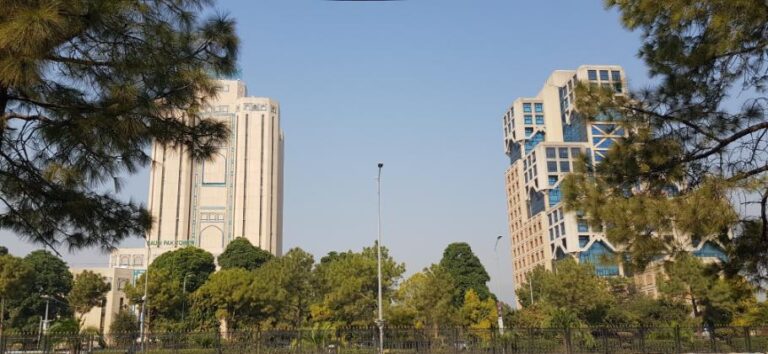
{"x": 420, "y": 85}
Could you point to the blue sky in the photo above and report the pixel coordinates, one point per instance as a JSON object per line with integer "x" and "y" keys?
{"x": 420, "y": 85}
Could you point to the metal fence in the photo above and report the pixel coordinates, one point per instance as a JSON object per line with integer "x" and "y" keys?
{"x": 405, "y": 340}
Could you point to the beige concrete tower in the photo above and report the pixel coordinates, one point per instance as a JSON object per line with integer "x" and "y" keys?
{"x": 237, "y": 193}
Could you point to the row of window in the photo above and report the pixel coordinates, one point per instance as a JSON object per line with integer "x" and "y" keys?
{"x": 538, "y": 107}
{"x": 528, "y": 119}
{"x": 615, "y": 75}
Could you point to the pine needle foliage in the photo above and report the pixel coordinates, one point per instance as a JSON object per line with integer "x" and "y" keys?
{"x": 85, "y": 87}
{"x": 694, "y": 164}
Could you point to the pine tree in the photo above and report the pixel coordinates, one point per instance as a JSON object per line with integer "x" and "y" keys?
{"x": 85, "y": 86}
{"x": 696, "y": 139}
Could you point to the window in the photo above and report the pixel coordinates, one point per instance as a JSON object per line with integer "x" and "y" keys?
{"x": 551, "y": 153}
{"x": 539, "y": 119}
{"x": 528, "y": 119}
{"x": 528, "y": 131}
{"x": 562, "y": 229}
{"x": 138, "y": 260}
{"x": 592, "y": 74}
{"x": 615, "y": 75}
{"x": 575, "y": 152}
{"x": 565, "y": 166}
{"x": 539, "y": 107}
{"x": 583, "y": 227}
{"x": 125, "y": 260}
{"x": 563, "y": 153}
{"x": 527, "y": 107}
{"x": 554, "y": 196}
{"x": 552, "y": 180}
{"x": 617, "y": 87}
{"x": 583, "y": 240}
{"x": 552, "y": 166}
{"x": 603, "y": 74}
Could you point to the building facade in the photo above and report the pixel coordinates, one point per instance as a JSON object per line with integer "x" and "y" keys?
{"x": 101, "y": 317}
{"x": 544, "y": 137}
{"x": 236, "y": 193}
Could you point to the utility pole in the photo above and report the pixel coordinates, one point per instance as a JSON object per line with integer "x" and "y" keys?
{"x": 380, "y": 320}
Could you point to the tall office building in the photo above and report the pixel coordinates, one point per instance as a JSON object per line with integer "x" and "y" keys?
{"x": 543, "y": 138}
{"x": 237, "y": 193}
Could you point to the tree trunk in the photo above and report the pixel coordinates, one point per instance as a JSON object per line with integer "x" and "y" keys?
{"x": 2, "y": 316}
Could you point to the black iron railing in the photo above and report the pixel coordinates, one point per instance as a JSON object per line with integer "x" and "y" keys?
{"x": 404, "y": 340}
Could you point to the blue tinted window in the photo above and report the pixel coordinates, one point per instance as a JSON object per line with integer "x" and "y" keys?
{"x": 575, "y": 152}
{"x": 551, "y": 153}
{"x": 527, "y": 119}
{"x": 565, "y": 166}
{"x": 583, "y": 227}
{"x": 603, "y": 74}
{"x": 615, "y": 75}
{"x": 552, "y": 180}
{"x": 583, "y": 241}
{"x": 563, "y": 153}
{"x": 539, "y": 119}
{"x": 552, "y": 166}
{"x": 592, "y": 74}
{"x": 527, "y": 107}
{"x": 528, "y": 131}
{"x": 539, "y": 107}
{"x": 554, "y": 196}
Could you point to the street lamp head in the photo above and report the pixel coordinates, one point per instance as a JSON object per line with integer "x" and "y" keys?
{"x": 499, "y": 237}
{"x": 381, "y": 165}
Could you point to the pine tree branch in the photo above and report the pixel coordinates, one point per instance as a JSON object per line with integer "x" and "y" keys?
{"x": 30, "y": 118}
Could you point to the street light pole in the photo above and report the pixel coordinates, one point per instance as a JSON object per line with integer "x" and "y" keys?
{"x": 144, "y": 298}
{"x": 380, "y": 320}
{"x": 184, "y": 295}
{"x": 498, "y": 288}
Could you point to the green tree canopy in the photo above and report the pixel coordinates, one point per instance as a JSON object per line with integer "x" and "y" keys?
{"x": 124, "y": 328}
{"x": 231, "y": 296}
{"x": 50, "y": 277}
{"x": 287, "y": 283}
{"x": 240, "y": 253}
{"x": 425, "y": 300}
{"x": 193, "y": 263}
{"x": 347, "y": 286}
{"x": 89, "y": 290}
{"x": 15, "y": 276}
{"x": 714, "y": 299}
{"x": 84, "y": 88}
{"x": 466, "y": 270}
{"x": 695, "y": 139}
{"x": 573, "y": 286}
{"x": 167, "y": 295}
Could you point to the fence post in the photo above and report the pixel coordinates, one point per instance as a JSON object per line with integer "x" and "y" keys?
{"x": 678, "y": 345}
{"x": 642, "y": 340}
{"x": 568, "y": 342}
{"x": 748, "y": 339}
